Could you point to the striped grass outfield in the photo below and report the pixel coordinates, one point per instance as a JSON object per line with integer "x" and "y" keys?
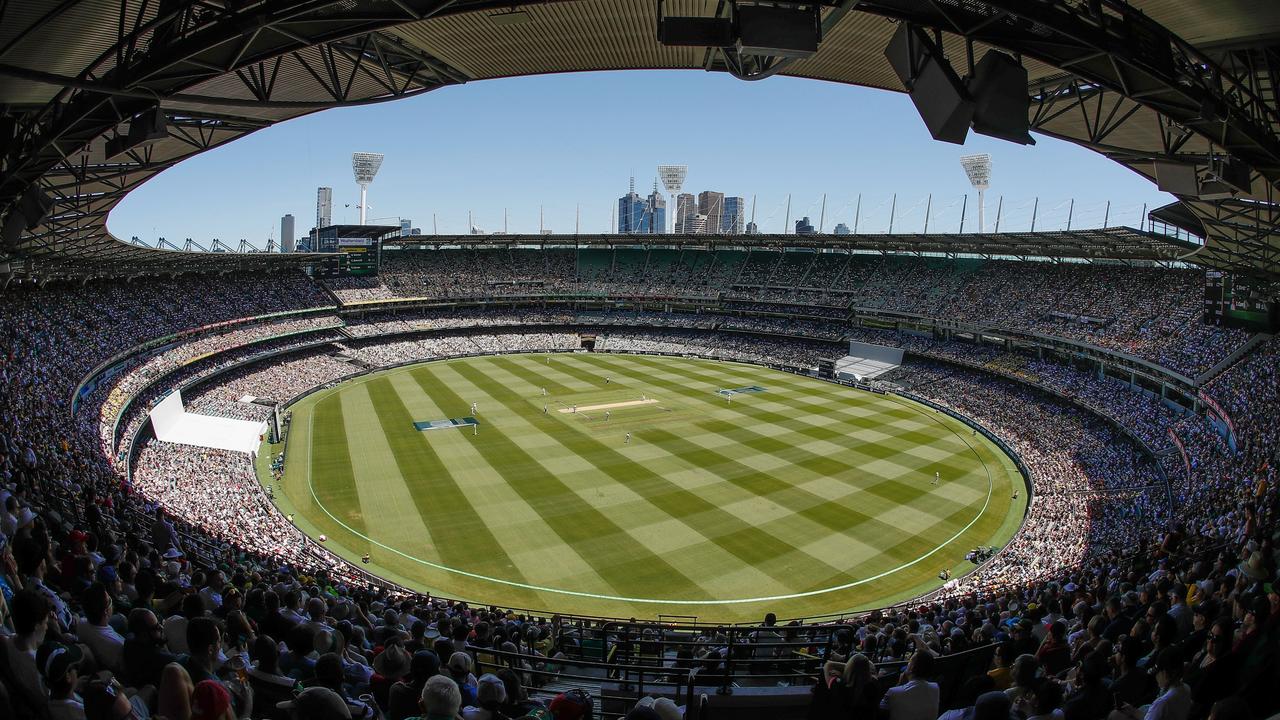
{"x": 803, "y": 499}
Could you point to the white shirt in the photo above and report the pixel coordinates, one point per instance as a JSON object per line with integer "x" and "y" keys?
{"x": 1173, "y": 704}
{"x": 106, "y": 644}
{"x": 71, "y": 708}
{"x": 916, "y": 700}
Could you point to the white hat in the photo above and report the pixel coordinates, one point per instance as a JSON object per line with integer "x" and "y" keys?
{"x": 665, "y": 707}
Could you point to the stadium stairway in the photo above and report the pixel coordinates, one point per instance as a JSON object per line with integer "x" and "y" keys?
{"x": 1231, "y": 359}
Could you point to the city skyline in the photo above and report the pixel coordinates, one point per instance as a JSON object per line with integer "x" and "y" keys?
{"x": 573, "y": 169}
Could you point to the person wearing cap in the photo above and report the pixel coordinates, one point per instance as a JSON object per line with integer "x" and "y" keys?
{"x": 651, "y": 708}
{"x": 459, "y": 669}
{"x": 1174, "y": 699}
{"x": 60, "y": 666}
{"x": 316, "y": 703}
{"x": 389, "y": 667}
{"x": 491, "y": 694}
{"x": 211, "y": 701}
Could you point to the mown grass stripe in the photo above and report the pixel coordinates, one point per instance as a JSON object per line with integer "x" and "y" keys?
{"x": 332, "y": 476}
{"x": 553, "y": 387}
{"x": 462, "y": 535}
{"x": 894, "y": 490}
{"x": 803, "y": 403}
{"x": 834, "y": 428}
{"x": 629, "y": 567}
{"x": 382, "y": 491}
{"x": 744, "y": 541}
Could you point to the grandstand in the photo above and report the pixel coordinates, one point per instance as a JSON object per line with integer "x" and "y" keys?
{"x": 1139, "y": 579}
{"x": 1125, "y": 467}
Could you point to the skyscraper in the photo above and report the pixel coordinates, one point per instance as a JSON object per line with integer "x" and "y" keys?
{"x": 804, "y": 226}
{"x": 686, "y": 208}
{"x": 841, "y": 229}
{"x": 711, "y": 204}
{"x": 286, "y": 233}
{"x": 657, "y": 209}
{"x": 734, "y": 213}
{"x": 405, "y": 226}
{"x": 324, "y": 207}
{"x": 632, "y": 212}
{"x": 697, "y": 225}
{"x": 753, "y": 229}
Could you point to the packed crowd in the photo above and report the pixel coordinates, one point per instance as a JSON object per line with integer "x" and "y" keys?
{"x": 1152, "y": 313}
{"x": 186, "y": 587}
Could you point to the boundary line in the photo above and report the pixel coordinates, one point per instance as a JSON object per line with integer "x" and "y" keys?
{"x": 663, "y": 601}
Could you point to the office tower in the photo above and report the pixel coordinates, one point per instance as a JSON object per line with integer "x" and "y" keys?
{"x": 286, "y": 233}
{"x": 734, "y": 213}
{"x": 804, "y": 226}
{"x": 657, "y": 210}
{"x": 697, "y": 224}
{"x": 686, "y": 209}
{"x": 711, "y": 204}
{"x": 405, "y": 227}
{"x": 324, "y": 207}
{"x": 633, "y": 216}
{"x": 753, "y": 229}
{"x": 841, "y": 229}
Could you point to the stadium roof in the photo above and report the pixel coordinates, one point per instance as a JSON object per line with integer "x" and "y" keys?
{"x": 1171, "y": 80}
{"x": 1109, "y": 243}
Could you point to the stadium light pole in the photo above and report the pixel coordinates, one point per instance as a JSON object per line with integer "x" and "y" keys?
{"x": 978, "y": 168}
{"x": 672, "y": 177}
{"x": 365, "y": 166}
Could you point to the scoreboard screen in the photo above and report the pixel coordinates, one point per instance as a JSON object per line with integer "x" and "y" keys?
{"x": 356, "y": 250}
{"x": 1234, "y": 301}
{"x": 361, "y": 256}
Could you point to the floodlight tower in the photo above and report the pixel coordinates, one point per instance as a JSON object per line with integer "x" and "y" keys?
{"x": 673, "y": 182}
{"x": 365, "y": 165}
{"x": 978, "y": 168}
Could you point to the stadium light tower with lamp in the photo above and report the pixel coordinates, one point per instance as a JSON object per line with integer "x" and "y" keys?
{"x": 673, "y": 182}
{"x": 365, "y": 165}
{"x": 978, "y": 168}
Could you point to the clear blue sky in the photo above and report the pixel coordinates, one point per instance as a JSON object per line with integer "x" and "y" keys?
{"x": 564, "y": 140}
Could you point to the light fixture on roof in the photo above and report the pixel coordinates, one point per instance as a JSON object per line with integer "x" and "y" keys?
{"x": 993, "y": 99}
{"x": 758, "y": 28}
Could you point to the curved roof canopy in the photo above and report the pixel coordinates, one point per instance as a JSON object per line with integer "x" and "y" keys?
{"x": 97, "y": 96}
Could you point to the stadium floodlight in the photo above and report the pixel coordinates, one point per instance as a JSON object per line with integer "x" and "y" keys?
{"x": 673, "y": 182}
{"x": 978, "y": 168}
{"x": 365, "y": 166}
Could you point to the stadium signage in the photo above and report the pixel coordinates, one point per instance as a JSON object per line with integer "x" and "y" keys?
{"x": 1216, "y": 409}
{"x": 355, "y": 242}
